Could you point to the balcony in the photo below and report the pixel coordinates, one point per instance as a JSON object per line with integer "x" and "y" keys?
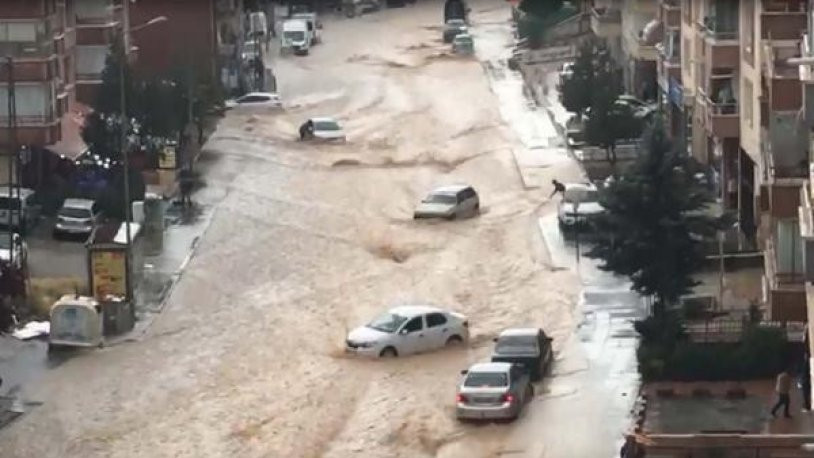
{"x": 720, "y": 119}
{"x": 669, "y": 67}
{"x": 775, "y": 56}
{"x": 639, "y": 49}
{"x": 721, "y": 45}
{"x": 784, "y": 288}
{"x": 606, "y": 22}
{"x": 783, "y": 20}
{"x": 670, "y": 13}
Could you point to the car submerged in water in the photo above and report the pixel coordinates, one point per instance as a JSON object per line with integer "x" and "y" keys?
{"x": 528, "y": 347}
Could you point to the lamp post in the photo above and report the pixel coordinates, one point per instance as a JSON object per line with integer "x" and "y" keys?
{"x": 124, "y": 122}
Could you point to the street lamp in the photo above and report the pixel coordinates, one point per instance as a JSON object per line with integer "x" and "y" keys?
{"x": 124, "y": 149}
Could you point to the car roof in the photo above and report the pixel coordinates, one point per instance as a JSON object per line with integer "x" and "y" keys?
{"x": 517, "y": 332}
{"x": 450, "y": 189}
{"x": 272, "y": 95}
{"x": 78, "y": 203}
{"x": 324, "y": 119}
{"x": 409, "y": 311}
{"x": 490, "y": 367}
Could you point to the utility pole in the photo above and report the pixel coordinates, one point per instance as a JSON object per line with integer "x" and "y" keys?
{"x": 124, "y": 122}
{"x": 12, "y": 145}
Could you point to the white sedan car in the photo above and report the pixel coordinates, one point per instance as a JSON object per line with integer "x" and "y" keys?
{"x": 408, "y": 329}
{"x": 324, "y": 129}
{"x": 256, "y": 100}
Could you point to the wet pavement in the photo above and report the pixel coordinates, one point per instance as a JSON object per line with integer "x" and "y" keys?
{"x": 246, "y": 358}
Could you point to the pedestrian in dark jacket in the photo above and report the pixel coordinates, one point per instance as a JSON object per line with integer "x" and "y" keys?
{"x": 558, "y": 188}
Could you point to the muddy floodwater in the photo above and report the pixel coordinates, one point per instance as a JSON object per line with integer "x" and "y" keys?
{"x": 308, "y": 241}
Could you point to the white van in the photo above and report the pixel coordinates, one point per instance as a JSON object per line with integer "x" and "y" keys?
{"x": 297, "y": 36}
{"x": 314, "y": 26}
{"x": 19, "y": 212}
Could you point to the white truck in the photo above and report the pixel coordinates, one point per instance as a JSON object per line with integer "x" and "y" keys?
{"x": 297, "y": 36}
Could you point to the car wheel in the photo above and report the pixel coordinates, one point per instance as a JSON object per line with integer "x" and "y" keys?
{"x": 388, "y": 352}
{"x": 454, "y": 341}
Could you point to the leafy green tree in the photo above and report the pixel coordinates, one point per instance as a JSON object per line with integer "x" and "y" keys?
{"x": 575, "y": 87}
{"x": 654, "y": 225}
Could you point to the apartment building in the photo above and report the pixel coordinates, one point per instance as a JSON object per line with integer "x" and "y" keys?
{"x": 775, "y": 145}
{"x": 98, "y": 24}
{"x": 39, "y": 36}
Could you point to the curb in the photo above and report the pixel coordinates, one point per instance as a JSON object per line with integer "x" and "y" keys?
{"x": 519, "y": 169}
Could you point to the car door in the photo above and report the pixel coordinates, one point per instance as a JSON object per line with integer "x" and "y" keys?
{"x": 438, "y": 330}
{"x": 412, "y": 337}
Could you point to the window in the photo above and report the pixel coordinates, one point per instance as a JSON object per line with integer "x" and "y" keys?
{"x": 388, "y": 322}
{"x": 20, "y": 32}
{"x": 436, "y": 319}
{"x": 413, "y": 325}
{"x": 33, "y": 100}
{"x": 748, "y": 97}
{"x": 486, "y": 379}
{"x": 789, "y": 247}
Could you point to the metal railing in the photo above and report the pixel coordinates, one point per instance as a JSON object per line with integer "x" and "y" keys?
{"x": 718, "y": 108}
{"x": 731, "y": 329}
{"x": 716, "y": 31}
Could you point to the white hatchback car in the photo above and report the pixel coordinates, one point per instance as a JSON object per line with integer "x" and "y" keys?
{"x": 257, "y": 100}
{"x": 408, "y": 329}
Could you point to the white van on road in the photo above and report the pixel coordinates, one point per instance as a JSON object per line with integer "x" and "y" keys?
{"x": 297, "y": 36}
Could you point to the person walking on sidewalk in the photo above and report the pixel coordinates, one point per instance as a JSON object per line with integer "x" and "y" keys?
{"x": 558, "y": 188}
{"x": 783, "y": 388}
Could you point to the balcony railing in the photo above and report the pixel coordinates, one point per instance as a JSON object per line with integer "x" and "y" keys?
{"x": 775, "y": 58}
{"x": 93, "y": 76}
{"x": 721, "y": 117}
{"x": 29, "y": 120}
{"x": 716, "y": 30}
{"x": 778, "y": 279}
{"x": 780, "y": 21}
{"x": 32, "y": 49}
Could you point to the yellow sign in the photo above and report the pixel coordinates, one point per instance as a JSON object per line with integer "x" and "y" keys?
{"x": 166, "y": 159}
{"x": 109, "y": 273}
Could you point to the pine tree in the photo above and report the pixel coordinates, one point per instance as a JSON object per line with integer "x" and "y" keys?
{"x": 654, "y": 225}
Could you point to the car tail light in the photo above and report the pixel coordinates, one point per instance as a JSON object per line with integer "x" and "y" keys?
{"x": 460, "y": 398}
{"x": 508, "y": 398}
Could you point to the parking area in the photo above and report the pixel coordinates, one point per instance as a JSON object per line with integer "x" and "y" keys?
{"x": 50, "y": 258}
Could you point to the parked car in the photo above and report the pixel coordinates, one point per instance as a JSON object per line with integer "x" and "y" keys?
{"x": 15, "y": 246}
{"x": 463, "y": 44}
{"x": 449, "y": 202}
{"x": 579, "y": 203}
{"x": 325, "y": 129}
{"x": 18, "y": 209}
{"x": 452, "y": 28}
{"x": 256, "y": 100}
{"x": 76, "y": 217}
{"x": 529, "y": 347}
{"x": 251, "y": 51}
{"x": 493, "y": 391}
{"x": 408, "y": 329}
{"x": 354, "y": 8}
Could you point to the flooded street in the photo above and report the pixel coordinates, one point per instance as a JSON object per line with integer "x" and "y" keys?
{"x": 308, "y": 241}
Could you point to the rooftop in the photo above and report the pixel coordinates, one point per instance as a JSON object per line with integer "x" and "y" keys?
{"x": 449, "y": 189}
{"x": 519, "y": 332}
{"x": 490, "y": 367}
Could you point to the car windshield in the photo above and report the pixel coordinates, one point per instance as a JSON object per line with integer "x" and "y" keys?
{"x": 294, "y": 35}
{"x": 326, "y": 125}
{"x": 69, "y": 212}
{"x": 440, "y": 199}
{"x": 388, "y": 322}
{"x": 582, "y": 195}
{"x": 516, "y": 344}
{"x": 486, "y": 379}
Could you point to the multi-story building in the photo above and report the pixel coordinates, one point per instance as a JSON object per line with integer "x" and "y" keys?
{"x": 639, "y": 37}
{"x": 98, "y": 24}
{"x": 775, "y": 146}
{"x": 39, "y": 37}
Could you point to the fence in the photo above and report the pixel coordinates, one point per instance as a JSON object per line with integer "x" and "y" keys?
{"x": 731, "y": 329}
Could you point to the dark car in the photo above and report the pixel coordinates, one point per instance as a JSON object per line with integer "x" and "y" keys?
{"x": 530, "y": 347}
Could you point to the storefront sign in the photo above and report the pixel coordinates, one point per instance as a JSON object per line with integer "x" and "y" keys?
{"x": 108, "y": 270}
{"x": 166, "y": 160}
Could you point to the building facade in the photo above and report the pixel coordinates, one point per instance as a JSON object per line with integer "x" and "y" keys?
{"x": 39, "y": 36}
